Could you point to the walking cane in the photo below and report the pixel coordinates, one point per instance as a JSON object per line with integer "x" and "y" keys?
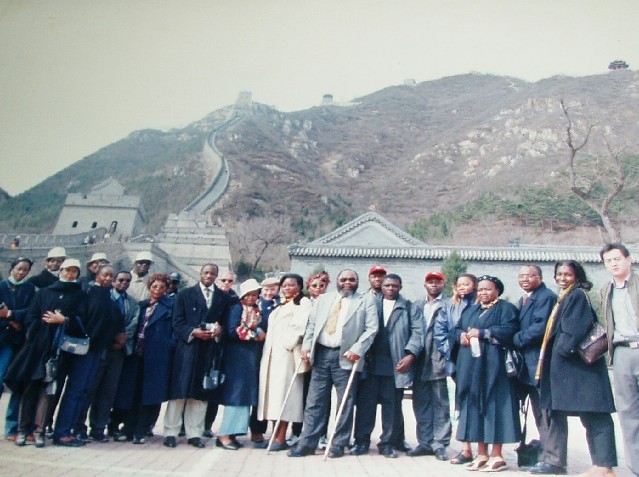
{"x": 279, "y": 419}
{"x": 340, "y": 410}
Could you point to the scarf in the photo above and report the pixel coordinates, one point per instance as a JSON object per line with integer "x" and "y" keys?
{"x": 549, "y": 327}
{"x": 14, "y": 282}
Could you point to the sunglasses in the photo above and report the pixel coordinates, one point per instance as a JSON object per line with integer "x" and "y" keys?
{"x": 226, "y": 280}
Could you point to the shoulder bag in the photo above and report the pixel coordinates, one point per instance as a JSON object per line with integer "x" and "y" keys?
{"x": 73, "y": 344}
{"x": 595, "y": 344}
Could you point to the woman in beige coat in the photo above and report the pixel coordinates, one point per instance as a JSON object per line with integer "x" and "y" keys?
{"x": 280, "y": 359}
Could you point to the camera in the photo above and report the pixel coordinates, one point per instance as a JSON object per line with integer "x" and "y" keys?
{"x": 213, "y": 380}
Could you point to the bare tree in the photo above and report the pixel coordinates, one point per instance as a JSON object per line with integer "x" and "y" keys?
{"x": 261, "y": 240}
{"x": 600, "y": 181}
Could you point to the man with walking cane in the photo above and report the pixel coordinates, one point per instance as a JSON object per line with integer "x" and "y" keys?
{"x": 341, "y": 328}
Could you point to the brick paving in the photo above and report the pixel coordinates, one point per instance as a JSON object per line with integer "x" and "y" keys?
{"x": 153, "y": 459}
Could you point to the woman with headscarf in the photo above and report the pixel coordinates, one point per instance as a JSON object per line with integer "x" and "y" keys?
{"x": 16, "y": 294}
{"x": 489, "y": 412}
{"x": 569, "y": 386}
{"x": 241, "y": 365}
{"x": 317, "y": 284}
{"x": 281, "y": 358}
{"x": 33, "y": 371}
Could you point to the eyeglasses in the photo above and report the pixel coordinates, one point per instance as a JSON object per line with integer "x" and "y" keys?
{"x": 348, "y": 279}
{"x": 320, "y": 285}
{"x": 227, "y": 280}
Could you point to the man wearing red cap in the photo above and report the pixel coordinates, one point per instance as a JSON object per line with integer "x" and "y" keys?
{"x": 430, "y": 391}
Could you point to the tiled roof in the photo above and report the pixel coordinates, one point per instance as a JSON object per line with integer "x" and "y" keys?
{"x": 488, "y": 254}
{"x": 361, "y": 220}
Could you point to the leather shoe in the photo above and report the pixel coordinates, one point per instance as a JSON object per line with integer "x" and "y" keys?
{"x": 359, "y": 449}
{"x": 388, "y": 452}
{"x": 300, "y": 452}
{"x": 336, "y": 452}
{"x": 230, "y": 446}
{"x": 169, "y": 441}
{"x": 403, "y": 447}
{"x": 196, "y": 442}
{"x": 420, "y": 451}
{"x": 543, "y": 468}
{"x": 441, "y": 454}
{"x": 68, "y": 442}
{"x": 278, "y": 446}
{"x": 208, "y": 434}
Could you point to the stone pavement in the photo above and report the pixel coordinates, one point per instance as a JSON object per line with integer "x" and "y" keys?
{"x": 153, "y": 459}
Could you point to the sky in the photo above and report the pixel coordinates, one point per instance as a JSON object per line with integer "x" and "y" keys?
{"x": 78, "y": 75}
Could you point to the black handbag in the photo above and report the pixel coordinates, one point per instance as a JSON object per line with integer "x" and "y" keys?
{"x": 527, "y": 454}
{"x": 214, "y": 378}
{"x": 513, "y": 361}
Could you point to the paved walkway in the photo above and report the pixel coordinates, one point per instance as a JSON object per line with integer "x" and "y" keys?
{"x": 153, "y": 459}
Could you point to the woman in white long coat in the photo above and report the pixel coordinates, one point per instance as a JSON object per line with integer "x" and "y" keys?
{"x": 281, "y": 357}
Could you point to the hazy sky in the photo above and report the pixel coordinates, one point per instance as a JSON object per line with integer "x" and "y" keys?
{"x": 78, "y": 75}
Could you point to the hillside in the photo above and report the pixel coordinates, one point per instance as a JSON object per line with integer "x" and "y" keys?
{"x": 427, "y": 157}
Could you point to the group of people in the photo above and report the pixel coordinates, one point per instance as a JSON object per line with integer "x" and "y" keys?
{"x": 269, "y": 352}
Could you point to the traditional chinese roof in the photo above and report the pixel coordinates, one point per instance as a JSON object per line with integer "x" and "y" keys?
{"x": 372, "y": 236}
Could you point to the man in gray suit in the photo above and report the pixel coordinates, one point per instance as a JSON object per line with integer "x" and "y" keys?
{"x": 340, "y": 330}
{"x": 620, "y": 305}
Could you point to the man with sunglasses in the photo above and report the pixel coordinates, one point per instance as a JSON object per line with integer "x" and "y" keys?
{"x": 130, "y": 309}
{"x": 341, "y": 328}
{"x": 141, "y": 266}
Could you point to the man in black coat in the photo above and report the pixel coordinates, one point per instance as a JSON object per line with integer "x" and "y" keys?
{"x": 52, "y": 263}
{"x": 199, "y": 318}
{"x": 534, "y": 309}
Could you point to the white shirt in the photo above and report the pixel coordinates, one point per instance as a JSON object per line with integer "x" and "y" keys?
{"x": 335, "y": 340}
{"x": 387, "y": 311}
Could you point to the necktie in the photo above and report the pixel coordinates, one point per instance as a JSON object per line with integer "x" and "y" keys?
{"x": 121, "y": 305}
{"x": 525, "y": 299}
{"x": 207, "y": 294}
{"x": 331, "y": 322}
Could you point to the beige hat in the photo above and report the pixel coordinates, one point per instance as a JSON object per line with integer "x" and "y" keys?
{"x": 270, "y": 281}
{"x": 57, "y": 252}
{"x": 71, "y": 262}
{"x": 249, "y": 286}
{"x": 144, "y": 257}
{"x": 98, "y": 257}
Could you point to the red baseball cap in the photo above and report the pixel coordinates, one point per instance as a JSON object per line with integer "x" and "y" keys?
{"x": 438, "y": 275}
{"x": 377, "y": 269}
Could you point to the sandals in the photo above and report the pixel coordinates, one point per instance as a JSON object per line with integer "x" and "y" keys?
{"x": 494, "y": 464}
{"x": 479, "y": 462}
{"x": 461, "y": 458}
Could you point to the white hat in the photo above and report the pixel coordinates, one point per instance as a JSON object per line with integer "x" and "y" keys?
{"x": 71, "y": 262}
{"x": 98, "y": 257}
{"x": 270, "y": 281}
{"x": 57, "y": 252}
{"x": 249, "y": 286}
{"x": 144, "y": 257}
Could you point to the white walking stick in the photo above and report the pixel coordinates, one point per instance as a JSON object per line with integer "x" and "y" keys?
{"x": 341, "y": 409}
{"x": 279, "y": 419}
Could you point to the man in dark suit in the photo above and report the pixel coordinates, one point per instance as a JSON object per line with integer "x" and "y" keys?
{"x": 535, "y": 307}
{"x": 199, "y": 317}
{"x": 340, "y": 330}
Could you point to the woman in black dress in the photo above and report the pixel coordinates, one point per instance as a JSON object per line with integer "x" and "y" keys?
{"x": 486, "y": 396}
